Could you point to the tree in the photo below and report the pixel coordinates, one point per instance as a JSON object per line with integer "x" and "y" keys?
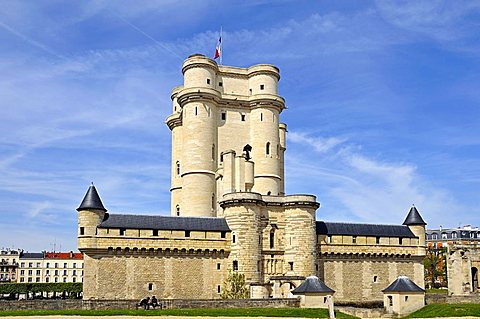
{"x": 234, "y": 286}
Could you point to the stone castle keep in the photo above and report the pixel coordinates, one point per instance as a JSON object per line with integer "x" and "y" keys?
{"x": 229, "y": 210}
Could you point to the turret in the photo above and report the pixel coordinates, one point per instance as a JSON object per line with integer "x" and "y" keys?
{"x": 91, "y": 213}
{"x": 416, "y": 224}
{"x": 199, "y": 134}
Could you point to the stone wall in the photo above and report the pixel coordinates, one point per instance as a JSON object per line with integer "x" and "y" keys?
{"x": 131, "y": 304}
{"x": 134, "y": 277}
{"x": 364, "y": 278}
{"x": 444, "y": 298}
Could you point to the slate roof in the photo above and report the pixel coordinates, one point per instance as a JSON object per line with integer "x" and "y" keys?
{"x": 414, "y": 218}
{"x": 312, "y": 284}
{"x": 31, "y": 256}
{"x": 91, "y": 200}
{"x": 403, "y": 284}
{"x": 330, "y": 228}
{"x": 164, "y": 222}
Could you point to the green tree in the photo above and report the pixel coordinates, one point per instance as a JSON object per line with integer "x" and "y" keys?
{"x": 234, "y": 286}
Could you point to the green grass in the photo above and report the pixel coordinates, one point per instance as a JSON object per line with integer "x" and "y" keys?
{"x": 437, "y": 291}
{"x": 227, "y": 312}
{"x": 447, "y": 310}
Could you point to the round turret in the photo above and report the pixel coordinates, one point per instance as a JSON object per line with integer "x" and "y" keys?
{"x": 199, "y": 71}
{"x": 263, "y": 79}
{"x": 91, "y": 213}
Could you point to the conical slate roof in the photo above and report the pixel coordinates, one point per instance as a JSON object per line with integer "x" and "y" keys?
{"x": 312, "y": 284}
{"x": 403, "y": 284}
{"x": 414, "y": 218}
{"x": 91, "y": 200}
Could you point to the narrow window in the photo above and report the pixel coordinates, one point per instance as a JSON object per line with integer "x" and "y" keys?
{"x": 354, "y": 239}
{"x": 377, "y": 240}
{"x": 400, "y": 241}
{"x": 224, "y": 116}
{"x": 390, "y": 301}
{"x": 267, "y": 148}
{"x": 233, "y": 238}
{"x": 324, "y": 299}
{"x": 220, "y": 84}
{"x": 261, "y": 116}
{"x": 213, "y": 152}
{"x": 262, "y": 86}
{"x": 213, "y": 201}
{"x": 235, "y": 265}
{"x": 196, "y": 111}
{"x": 243, "y": 117}
{"x": 278, "y": 150}
{"x": 187, "y": 233}
{"x": 375, "y": 278}
{"x": 82, "y": 230}
{"x": 406, "y": 298}
{"x": 290, "y": 263}
{"x": 155, "y": 232}
{"x": 122, "y": 231}
{"x": 250, "y": 91}
{"x": 178, "y": 210}
{"x": 221, "y": 158}
{"x": 223, "y": 234}
{"x": 316, "y": 267}
{"x": 272, "y": 239}
{"x": 178, "y": 168}
{"x": 218, "y": 266}
{"x": 329, "y": 239}
{"x": 218, "y": 288}
{"x": 150, "y": 287}
{"x": 208, "y": 81}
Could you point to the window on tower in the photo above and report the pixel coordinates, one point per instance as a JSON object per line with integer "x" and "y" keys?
{"x": 178, "y": 210}
{"x": 224, "y": 116}
{"x": 178, "y": 168}
{"x": 267, "y": 148}
{"x": 243, "y": 117}
{"x": 262, "y": 86}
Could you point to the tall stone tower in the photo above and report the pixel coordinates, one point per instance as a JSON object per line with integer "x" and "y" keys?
{"x": 222, "y": 117}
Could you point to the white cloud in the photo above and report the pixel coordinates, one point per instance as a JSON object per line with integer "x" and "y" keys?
{"x": 319, "y": 144}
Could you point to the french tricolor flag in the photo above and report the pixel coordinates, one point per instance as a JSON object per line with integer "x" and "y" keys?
{"x": 218, "y": 48}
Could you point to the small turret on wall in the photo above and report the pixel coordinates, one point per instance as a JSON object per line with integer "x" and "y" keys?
{"x": 91, "y": 213}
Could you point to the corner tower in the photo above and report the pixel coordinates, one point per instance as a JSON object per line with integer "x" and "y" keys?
{"x": 417, "y": 225}
{"x": 220, "y": 109}
{"x": 91, "y": 213}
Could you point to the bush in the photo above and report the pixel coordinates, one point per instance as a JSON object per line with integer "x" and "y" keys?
{"x": 24, "y": 288}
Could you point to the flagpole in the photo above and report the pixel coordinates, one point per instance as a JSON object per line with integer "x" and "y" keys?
{"x": 221, "y": 46}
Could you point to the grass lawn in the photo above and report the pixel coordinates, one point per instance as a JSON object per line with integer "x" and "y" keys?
{"x": 227, "y": 312}
{"x": 447, "y": 310}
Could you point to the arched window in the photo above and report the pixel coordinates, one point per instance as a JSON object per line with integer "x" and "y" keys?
{"x": 178, "y": 167}
{"x": 267, "y": 148}
{"x": 178, "y": 210}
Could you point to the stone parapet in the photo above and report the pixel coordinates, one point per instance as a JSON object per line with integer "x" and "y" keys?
{"x": 77, "y": 304}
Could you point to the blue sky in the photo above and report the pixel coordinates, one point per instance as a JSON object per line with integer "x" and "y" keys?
{"x": 383, "y": 105}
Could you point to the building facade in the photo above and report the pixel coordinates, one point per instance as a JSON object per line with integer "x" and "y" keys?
{"x": 50, "y": 267}
{"x": 9, "y": 265}
{"x": 229, "y": 210}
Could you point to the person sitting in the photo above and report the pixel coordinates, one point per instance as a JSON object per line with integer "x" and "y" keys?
{"x": 154, "y": 302}
{"x": 145, "y": 303}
